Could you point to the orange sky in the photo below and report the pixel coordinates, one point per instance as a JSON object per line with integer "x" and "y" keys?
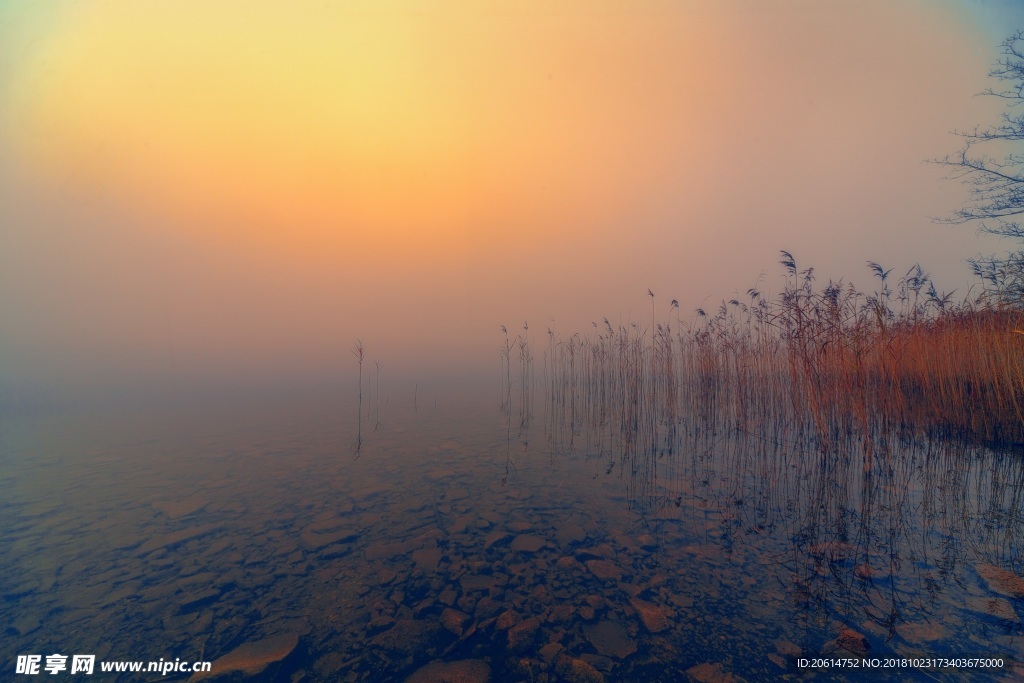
{"x": 363, "y": 126}
{"x": 250, "y": 186}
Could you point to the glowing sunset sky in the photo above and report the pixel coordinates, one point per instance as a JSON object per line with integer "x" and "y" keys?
{"x": 244, "y": 188}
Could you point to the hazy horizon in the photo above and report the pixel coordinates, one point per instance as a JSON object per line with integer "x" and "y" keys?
{"x": 235, "y": 194}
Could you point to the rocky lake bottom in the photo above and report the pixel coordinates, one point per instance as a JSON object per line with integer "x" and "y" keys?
{"x": 483, "y": 539}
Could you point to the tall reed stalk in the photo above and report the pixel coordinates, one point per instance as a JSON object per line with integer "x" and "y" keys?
{"x": 826, "y": 361}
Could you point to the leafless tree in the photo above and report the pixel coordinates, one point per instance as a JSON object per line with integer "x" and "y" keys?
{"x": 991, "y": 164}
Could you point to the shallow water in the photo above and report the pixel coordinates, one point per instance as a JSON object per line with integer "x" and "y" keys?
{"x": 538, "y": 538}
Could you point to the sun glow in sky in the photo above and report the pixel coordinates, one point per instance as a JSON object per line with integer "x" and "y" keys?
{"x": 362, "y": 125}
{"x": 247, "y": 187}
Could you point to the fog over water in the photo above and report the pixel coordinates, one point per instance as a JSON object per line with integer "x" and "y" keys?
{"x": 257, "y": 407}
{"x": 232, "y": 196}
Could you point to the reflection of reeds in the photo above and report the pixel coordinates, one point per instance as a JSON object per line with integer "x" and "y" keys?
{"x": 525, "y": 385}
{"x": 862, "y": 535}
{"x": 825, "y": 360}
{"x": 380, "y": 366}
{"x": 360, "y": 354}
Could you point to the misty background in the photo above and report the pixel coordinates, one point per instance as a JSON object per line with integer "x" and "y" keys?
{"x": 231, "y": 196}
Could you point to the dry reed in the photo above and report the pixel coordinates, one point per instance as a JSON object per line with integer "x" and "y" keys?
{"x": 826, "y": 361}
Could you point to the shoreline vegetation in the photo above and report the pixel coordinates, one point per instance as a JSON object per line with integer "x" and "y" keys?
{"x": 823, "y": 362}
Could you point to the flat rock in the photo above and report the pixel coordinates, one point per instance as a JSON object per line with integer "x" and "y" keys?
{"x": 506, "y": 620}
{"x": 711, "y": 673}
{"x": 486, "y": 608}
{"x": 521, "y": 636}
{"x": 601, "y": 551}
{"x": 386, "y": 551}
{"x": 920, "y": 632}
{"x": 647, "y": 542}
{"x": 527, "y": 543}
{"x": 653, "y": 617}
{"x": 448, "y": 596}
{"x": 462, "y": 671}
{"x": 550, "y": 651}
{"x": 181, "y": 508}
{"x": 1000, "y": 608}
{"x": 407, "y": 636}
{"x": 326, "y": 522}
{"x": 495, "y": 537}
{"x": 707, "y": 551}
{"x": 313, "y": 540}
{"x": 476, "y": 582}
{"x": 605, "y": 570}
{"x": 577, "y": 671}
{"x": 189, "y": 600}
{"x": 427, "y": 558}
{"x": 562, "y": 614}
{"x": 1001, "y": 581}
{"x": 569, "y": 533}
{"x": 852, "y": 642}
{"x": 610, "y": 639}
{"x": 454, "y": 620}
{"x": 252, "y": 658}
{"x": 567, "y": 563}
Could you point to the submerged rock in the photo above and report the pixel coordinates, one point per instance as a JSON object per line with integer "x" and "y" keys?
{"x": 477, "y": 582}
{"x": 920, "y": 632}
{"x": 315, "y": 540}
{"x": 463, "y": 671}
{"x": 711, "y": 673}
{"x": 1000, "y": 608}
{"x": 527, "y": 543}
{"x": 610, "y": 639}
{"x": 448, "y": 596}
{"x": 427, "y": 558}
{"x": 252, "y": 658}
{"x": 577, "y": 671}
{"x": 521, "y": 636}
{"x": 454, "y": 620}
{"x": 605, "y": 570}
{"x": 175, "y": 509}
{"x": 507, "y": 620}
{"x": 787, "y": 648}
{"x": 653, "y": 617}
{"x": 551, "y": 651}
{"x": 561, "y": 614}
{"x": 407, "y": 636}
{"x": 852, "y": 642}
{"x": 567, "y": 563}
{"x": 570, "y": 534}
{"x": 495, "y": 537}
{"x": 647, "y": 542}
{"x": 1001, "y": 581}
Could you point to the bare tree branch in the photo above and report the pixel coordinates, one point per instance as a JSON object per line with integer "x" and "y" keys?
{"x": 992, "y": 167}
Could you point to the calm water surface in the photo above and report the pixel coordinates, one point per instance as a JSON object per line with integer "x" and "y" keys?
{"x": 508, "y": 536}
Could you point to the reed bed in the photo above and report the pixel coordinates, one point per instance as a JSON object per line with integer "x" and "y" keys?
{"x": 824, "y": 362}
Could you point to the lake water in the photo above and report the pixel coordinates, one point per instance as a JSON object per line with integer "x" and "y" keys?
{"x": 524, "y": 537}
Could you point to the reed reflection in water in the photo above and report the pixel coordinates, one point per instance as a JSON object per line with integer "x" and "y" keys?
{"x": 885, "y": 540}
